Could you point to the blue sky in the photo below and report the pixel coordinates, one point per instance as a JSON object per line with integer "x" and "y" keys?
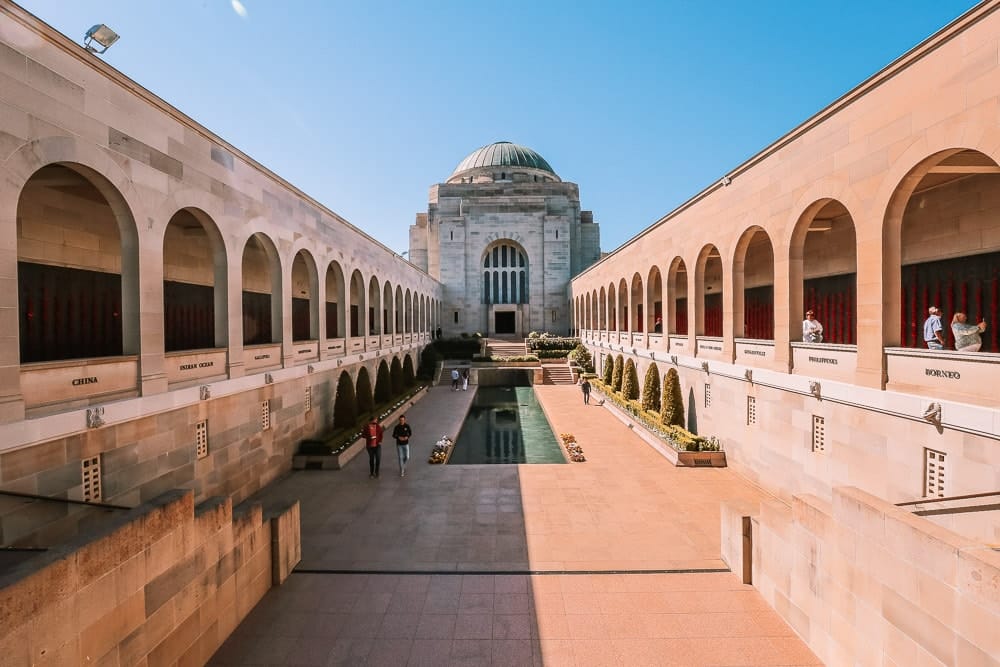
{"x": 365, "y": 105}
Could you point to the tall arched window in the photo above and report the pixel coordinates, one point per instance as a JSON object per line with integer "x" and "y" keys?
{"x": 505, "y": 273}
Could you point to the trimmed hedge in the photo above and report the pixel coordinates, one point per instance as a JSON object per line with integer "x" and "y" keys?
{"x": 651, "y": 389}
{"x": 363, "y": 393}
{"x": 672, "y": 406}
{"x": 552, "y": 354}
{"x": 609, "y": 364}
{"x": 630, "y": 381}
{"x": 617, "y": 372}
{"x": 409, "y": 379}
{"x": 383, "y": 385}
{"x": 581, "y": 355}
{"x": 396, "y": 376}
{"x": 552, "y": 343}
{"x": 345, "y": 407}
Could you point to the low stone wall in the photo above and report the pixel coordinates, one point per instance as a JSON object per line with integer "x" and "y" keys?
{"x": 865, "y": 582}
{"x": 164, "y": 583}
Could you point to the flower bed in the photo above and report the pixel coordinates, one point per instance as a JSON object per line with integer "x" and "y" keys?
{"x": 573, "y": 448}
{"x": 441, "y": 451}
{"x": 677, "y": 444}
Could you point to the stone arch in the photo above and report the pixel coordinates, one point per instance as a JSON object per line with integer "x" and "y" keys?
{"x": 603, "y": 305}
{"x": 57, "y": 281}
{"x": 654, "y": 300}
{"x": 374, "y": 319}
{"x": 262, "y": 303}
{"x": 940, "y": 248}
{"x": 304, "y": 283}
{"x": 709, "y": 297}
{"x": 336, "y": 289}
{"x": 505, "y": 268}
{"x": 356, "y": 300}
{"x": 637, "y": 299}
{"x": 753, "y": 285}
{"x": 195, "y": 299}
{"x": 408, "y": 311}
{"x": 398, "y": 310}
{"x": 388, "y": 319}
{"x": 822, "y": 273}
{"x": 677, "y": 297}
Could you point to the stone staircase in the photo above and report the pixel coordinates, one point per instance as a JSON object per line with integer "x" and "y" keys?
{"x": 558, "y": 374}
{"x": 505, "y": 348}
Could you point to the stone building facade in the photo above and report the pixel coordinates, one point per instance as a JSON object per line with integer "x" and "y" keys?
{"x": 504, "y": 235}
{"x": 885, "y": 454}
{"x": 174, "y": 315}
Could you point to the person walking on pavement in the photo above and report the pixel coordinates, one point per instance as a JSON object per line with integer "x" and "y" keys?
{"x": 402, "y": 434}
{"x": 373, "y": 444}
{"x": 465, "y": 380}
{"x": 454, "y": 379}
{"x": 585, "y": 388}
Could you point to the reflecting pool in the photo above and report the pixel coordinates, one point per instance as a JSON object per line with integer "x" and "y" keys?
{"x": 506, "y": 425}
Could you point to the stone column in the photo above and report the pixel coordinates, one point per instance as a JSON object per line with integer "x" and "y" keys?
{"x": 147, "y": 283}
{"x": 11, "y": 400}
{"x": 234, "y": 306}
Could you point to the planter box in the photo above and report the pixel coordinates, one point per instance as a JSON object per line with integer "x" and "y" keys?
{"x": 678, "y": 458}
{"x": 341, "y": 459}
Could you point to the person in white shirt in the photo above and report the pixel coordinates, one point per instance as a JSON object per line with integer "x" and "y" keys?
{"x": 812, "y": 330}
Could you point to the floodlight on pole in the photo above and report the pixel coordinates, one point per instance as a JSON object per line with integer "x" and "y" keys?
{"x": 101, "y": 34}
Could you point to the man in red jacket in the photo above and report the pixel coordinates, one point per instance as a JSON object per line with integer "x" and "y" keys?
{"x": 373, "y": 443}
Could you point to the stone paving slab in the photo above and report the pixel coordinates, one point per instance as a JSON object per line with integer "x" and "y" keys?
{"x": 625, "y": 509}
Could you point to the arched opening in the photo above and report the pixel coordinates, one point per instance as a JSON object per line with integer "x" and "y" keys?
{"x": 334, "y": 301}
{"x": 623, "y": 305}
{"x": 594, "y": 310}
{"x": 603, "y": 307}
{"x": 612, "y": 308}
{"x": 420, "y": 316}
{"x": 753, "y": 285}
{"x": 948, "y": 248}
{"x": 305, "y": 317}
{"x": 194, "y": 283}
{"x": 708, "y": 287}
{"x": 505, "y": 273}
{"x": 823, "y": 272}
{"x": 637, "y": 298}
{"x": 654, "y": 297}
{"x": 374, "y": 307}
{"x": 77, "y": 267}
{"x": 261, "y": 282}
{"x": 408, "y": 312}
{"x": 678, "y": 283}
{"x": 357, "y": 302}
{"x": 397, "y": 307}
{"x": 387, "y": 319}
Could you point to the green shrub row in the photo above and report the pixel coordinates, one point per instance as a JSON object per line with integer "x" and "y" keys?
{"x": 676, "y": 436}
{"x": 501, "y": 359}
{"x": 552, "y": 343}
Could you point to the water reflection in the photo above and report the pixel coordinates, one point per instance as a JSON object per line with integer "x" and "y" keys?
{"x": 506, "y": 425}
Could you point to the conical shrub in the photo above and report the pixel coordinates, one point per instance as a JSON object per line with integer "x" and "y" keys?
{"x": 616, "y": 373}
{"x": 630, "y": 381}
{"x": 672, "y": 408}
{"x": 363, "y": 391}
{"x": 408, "y": 378}
{"x": 345, "y": 407}
{"x": 383, "y": 385}
{"x": 396, "y": 377}
{"x": 651, "y": 389}
{"x": 609, "y": 365}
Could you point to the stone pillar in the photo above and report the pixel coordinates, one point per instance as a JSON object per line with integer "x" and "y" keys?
{"x": 11, "y": 401}
{"x": 787, "y": 293}
{"x": 732, "y": 315}
{"x": 234, "y": 306}
{"x": 875, "y": 302}
{"x": 147, "y": 283}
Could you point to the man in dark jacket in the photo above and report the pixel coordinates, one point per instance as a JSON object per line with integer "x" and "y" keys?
{"x": 402, "y": 434}
{"x": 373, "y": 443}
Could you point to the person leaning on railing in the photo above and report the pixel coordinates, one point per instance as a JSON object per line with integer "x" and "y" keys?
{"x": 967, "y": 336}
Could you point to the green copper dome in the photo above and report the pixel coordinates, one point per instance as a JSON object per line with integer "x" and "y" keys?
{"x": 503, "y": 154}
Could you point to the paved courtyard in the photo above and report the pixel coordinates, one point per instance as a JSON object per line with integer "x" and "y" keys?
{"x": 610, "y": 562}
